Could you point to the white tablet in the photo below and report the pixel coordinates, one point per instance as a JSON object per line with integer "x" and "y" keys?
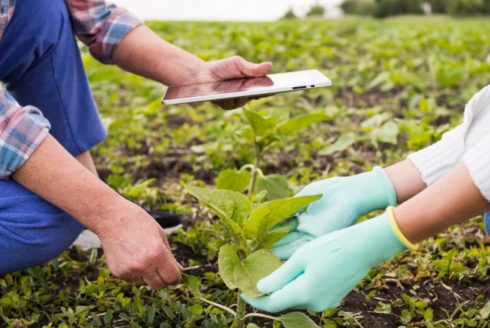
{"x": 247, "y": 87}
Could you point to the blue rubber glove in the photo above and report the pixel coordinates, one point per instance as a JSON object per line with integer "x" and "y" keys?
{"x": 344, "y": 202}
{"x": 319, "y": 275}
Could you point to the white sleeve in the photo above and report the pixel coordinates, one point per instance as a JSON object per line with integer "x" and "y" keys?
{"x": 437, "y": 160}
{"x": 477, "y": 160}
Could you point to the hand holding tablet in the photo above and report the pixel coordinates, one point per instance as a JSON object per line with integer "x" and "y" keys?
{"x": 246, "y": 88}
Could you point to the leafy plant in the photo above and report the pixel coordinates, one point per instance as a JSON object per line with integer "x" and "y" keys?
{"x": 247, "y": 258}
{"x": 267, "y": 128}
{"x": 252, "y": 227}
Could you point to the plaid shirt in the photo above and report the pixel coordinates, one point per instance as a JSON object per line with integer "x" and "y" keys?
{"x": 98, "y": 25}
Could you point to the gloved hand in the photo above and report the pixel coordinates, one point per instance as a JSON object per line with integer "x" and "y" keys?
{"x": 345, "y": 200}
{"x": 319, "y": 275}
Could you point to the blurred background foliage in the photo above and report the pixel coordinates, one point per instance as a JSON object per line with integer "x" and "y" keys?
{"x": 386, "y": 8}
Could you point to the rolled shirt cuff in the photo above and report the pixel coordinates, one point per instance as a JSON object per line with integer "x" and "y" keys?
{"x": 117, "y": 26}
{"x": 25, "y": 131}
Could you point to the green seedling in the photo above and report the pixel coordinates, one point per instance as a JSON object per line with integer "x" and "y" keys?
{"x": 267, "y": 128}
{"x": 252, "y": 227}
{"x": 247, "y": 259}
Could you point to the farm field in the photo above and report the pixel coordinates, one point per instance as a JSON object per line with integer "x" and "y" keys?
{"x": 399, "y": 85}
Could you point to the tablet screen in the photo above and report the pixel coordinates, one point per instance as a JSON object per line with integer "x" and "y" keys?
{"x": 246, "y": 87}
{"x": 227, "y": 86}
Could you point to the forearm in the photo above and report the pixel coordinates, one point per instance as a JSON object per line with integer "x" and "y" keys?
{"x": 406, "y": 180}
{"x": 144, "y": 53}
{"x": 53, "y": 174}
{"x": 452, "y": 200}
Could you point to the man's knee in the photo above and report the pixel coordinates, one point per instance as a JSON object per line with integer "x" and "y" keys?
{"x": 32, "y": 231}
{"x": 26, "y": 245}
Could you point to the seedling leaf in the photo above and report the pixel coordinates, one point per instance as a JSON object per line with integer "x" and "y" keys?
{"x": 252, "y": 325}
{"x": 255, "y": 267}
{"x": 269, "y": 141}
{"x": 233, "y": 180}
{"x": 231, "y": 207}
{"x": 297, "y": 320}
{"x": 193, "y": 285}
{"x": 406, "y": 317}
{"x": 275, "y": 185}
{"x": 300, "y": 122}
{"x": 245, "y": 133}
{"x": 261, "y": 126}
{"x": 196, "y": 309}
{"x": 266, "y": 216}
{"x": 226, "y": 204}
{"x": 387, "y": 133}
{"x": 227, "y": 261}
{"x": 281, "y": 115}
{"x": 429, "y": 314}
{"x": 274, "y": 236}
{"x": 260, "y": 197}
{"x": 485, "y": 311}
{"x": 342, "y": 143}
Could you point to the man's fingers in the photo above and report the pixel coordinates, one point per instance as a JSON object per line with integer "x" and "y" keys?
{"x": 166, "y": 243}
{"x": 282, "y": 276}
{"x": 165, "y": 240}
{"x": 288, "y": 297}
{"x": 229, "y": 104}
{"x": 170, "y": 274}
{"x": 240, "y": 102}
{"x": 168, "y": 268}
{"x": 253, "y": 70}
{"x": 137, "y": 281}
{"x": 154, "y": 280}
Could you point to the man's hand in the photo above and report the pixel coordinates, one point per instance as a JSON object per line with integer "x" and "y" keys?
{"x": 232, "y": 68}
{"x": 319, "y": 275}
{"x": 137, "y": 249}
{"x": 228, "y": 69}
{"x": 345, "y": 200}
{"x": 135, "y": 245}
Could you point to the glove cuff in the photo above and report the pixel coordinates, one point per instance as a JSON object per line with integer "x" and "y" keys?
{"x": 385, "y": 241}
{"x": 397, "y": 231}
{"x": 373, "y": 191}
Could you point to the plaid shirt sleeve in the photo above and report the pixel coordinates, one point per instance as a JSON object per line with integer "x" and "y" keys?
{"x": 22, "y": 129}
{"x": 101, "y": 26}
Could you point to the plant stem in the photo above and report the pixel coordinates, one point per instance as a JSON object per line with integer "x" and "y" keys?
{"x": 253, "y": 177}
{"x": 248, "y": 166}
{"x": 258, "y": 315}
{"x": 240, "y": 314}
{"x": 219, "y": 306}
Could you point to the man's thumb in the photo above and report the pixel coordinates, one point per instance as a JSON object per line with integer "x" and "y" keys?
{"x": 254, "y": 70}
